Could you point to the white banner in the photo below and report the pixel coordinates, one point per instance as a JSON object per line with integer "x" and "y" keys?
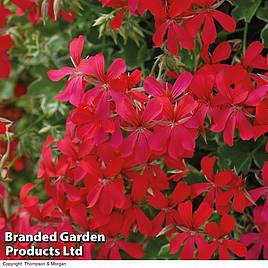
{"x": 134, "y": 264}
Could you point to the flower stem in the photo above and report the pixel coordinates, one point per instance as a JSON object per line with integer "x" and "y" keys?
{"x": 245, "y": 38}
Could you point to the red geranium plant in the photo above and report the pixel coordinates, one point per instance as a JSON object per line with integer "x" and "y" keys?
{"x": 135, "y": 162}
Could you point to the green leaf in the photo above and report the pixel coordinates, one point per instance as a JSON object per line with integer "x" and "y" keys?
{"x": 264, "y": 35}
{"x": 31, "y": 144}
{"x": 153, "y": 246}
{"x": 241, "y": 155}
{"x": 245, "y": 11}
{"x": 42, "y": 85}
{"x": 186, "y": 58}
{"x": 262, "y": 13}
{"x": 260, "y": 156}
{"x": 134, "y": 55}
{"x": 27, "y": 103}
{"x": 164, "y": 254}
{"x": 6, "y": 88}
{"x": 238, "y": 157}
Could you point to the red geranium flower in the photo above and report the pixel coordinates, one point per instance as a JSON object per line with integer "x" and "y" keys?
{"x": 123, "y": 6}
{"x": 231, "y": 105}
{"x": 105, "y": 187}
{"x": 253, "y": 57}
{"x": 75, "y": 85}
{"x": 261, "y": 118}
{"x": 3, "y": 128}
{"x": 188, "y": 223}
{"x": 263, "y": 190}
{"x": 167, "y": 14}
{"x": 138, "y": 123}
{"x": 157, "y": 89}
{"x": 104, "y": 87}
{"x": 258, "y": 241}
{"x": 5, "y": 44}
{"x": 221, "y": 242}
{"x": 206, "y": 13}
{"x": 176, "y": 133}
{"x": 4, "y": 14}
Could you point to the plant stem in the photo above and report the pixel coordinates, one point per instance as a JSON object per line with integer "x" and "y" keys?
{"x": 245, "y": 38}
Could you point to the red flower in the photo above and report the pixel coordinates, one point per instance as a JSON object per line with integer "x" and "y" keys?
{"x": 167, "y": 14}
{"x": 189, "y": 224}
{"x": 152, "y": 180}
{"x": 68, "y": 16}
{"x": 102, "y": 81}
{"x": 105, "y": 188}
{"x": 75, "y": 85}
{"x": 3, "y": 128}
{"x": 258, "y": 241}
{"x": 5, "y": 44}
{"x": 139, "y": 124}
{"x": 111, "y": 226}
{"x": 46, "y": 167}
{"x": 234, "y": 187}
{"x": 111, "y": 250}
{"x": 211, "y": 186}
{"x": 263, "y": 190}
{"x": 253, "y": 57}
{"x": 93, "y": 121}
{"x": 135, "y": 217}
{"x": 221, "y": 188}
{"x": 221, "y": 52}
{"x": 126, "y": 83}
{"x": 231, "y": 105}
{"x": 4, "y": 14}
{"x": 123, "y": 6}
{"x": 202, "y": 88}
{"x": 166, "y": 216}
{"x": 157, "y": 89}
{"x": 206, "y": 13}
{"x": 20, "y": 90}
{"x": 34, "y": 10}
{"x": 261, "y": 118}
{"x": 176, "y": 133}
{"x": 221, "y": 243}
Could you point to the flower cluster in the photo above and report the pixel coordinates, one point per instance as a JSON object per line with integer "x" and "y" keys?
{"x": 120, "y": 168}
{"x": 180, "y": 21}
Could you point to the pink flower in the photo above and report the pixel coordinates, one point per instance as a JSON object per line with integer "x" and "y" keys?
{"x": 157, "y": 89}
{"x": 139, "y": 123}
{"x": 74, "y": 88}
{"x": 102, "y": 81}
{"x": 258, "y": 241}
